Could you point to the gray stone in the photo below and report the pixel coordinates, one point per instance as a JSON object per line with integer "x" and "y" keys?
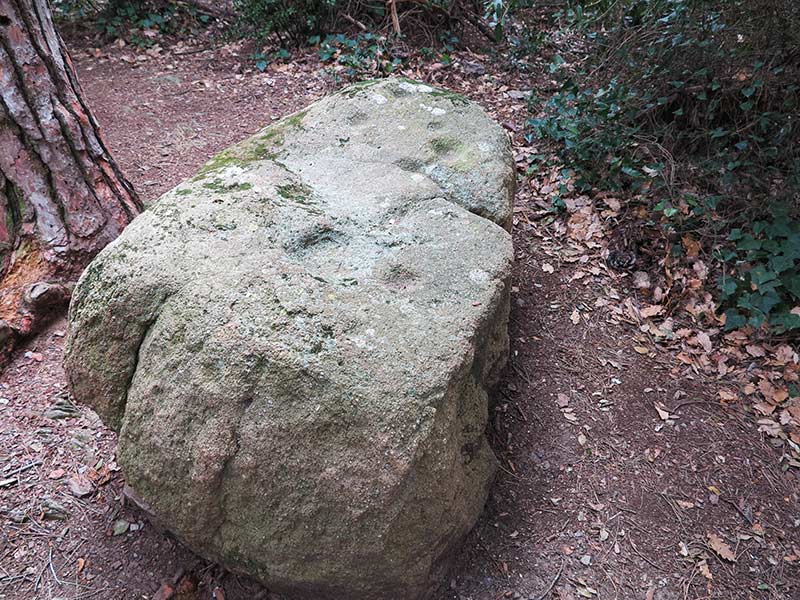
{"x": 295, "y": 345}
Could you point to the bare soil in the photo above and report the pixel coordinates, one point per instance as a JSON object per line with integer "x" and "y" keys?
{"x": 600, "y": 494}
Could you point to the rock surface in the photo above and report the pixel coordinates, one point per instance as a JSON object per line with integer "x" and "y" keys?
{"x": 295, "y": 344}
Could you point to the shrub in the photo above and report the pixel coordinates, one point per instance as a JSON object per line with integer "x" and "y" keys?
{"x": 291, "y": 22}
{"x": 136, "y": 20}
{"x": 691, "y": 93}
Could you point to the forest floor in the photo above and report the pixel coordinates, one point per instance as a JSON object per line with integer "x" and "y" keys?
{"x": 633, "y": 463}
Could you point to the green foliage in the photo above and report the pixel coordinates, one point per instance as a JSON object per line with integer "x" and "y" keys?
{"x": 139, "y": 21}
{"x": 762, "y": 278}
{"x": 670, "y": 93}
{"x": 365, "y": 54}
{"x": 596, "y": 131}
{"x": 292, "y": 22}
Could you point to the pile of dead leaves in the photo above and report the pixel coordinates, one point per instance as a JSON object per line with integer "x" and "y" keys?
{"x": 670, "y": 302}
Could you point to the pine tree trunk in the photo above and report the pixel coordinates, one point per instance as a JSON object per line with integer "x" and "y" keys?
{"x": 62, "y": 196}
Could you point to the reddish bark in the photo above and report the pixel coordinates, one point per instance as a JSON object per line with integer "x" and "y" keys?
{"x": 62, "y": 196}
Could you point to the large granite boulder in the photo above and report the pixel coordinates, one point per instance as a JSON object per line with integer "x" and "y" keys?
{"x": 295, "y": 344}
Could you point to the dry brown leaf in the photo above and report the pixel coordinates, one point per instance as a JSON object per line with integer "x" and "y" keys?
{"x": 704, "y": 570}
{"x": 692, "y": 246}
{"x": 652, "y": 310}
{"x": 562, "y": 400}
{"x": 722, "y": 549}
{"x": 766, "y": 388}
{"x": 662, "y": 411}
{"x": 785, "y": 355}
{"x": 780, "y": 395}
{"x": 754, "y": 350}
{"x": 81, "y": 564}
{"x": 764, "y": 408}
{"x": 705, "y": 341}
{"x": 770, "y": 427}
{"x": 641, "y": 349}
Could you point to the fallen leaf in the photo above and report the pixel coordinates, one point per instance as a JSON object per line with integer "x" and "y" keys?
{"x": 641, "y": 349}
{"x": 692, "y": 246}
{"x": 780, "y": 395}
{"x": 764, "y": 408}
{"x": 571, "y": 417}
{"x": 662, "y": 412}
{"x": 81, "y": 564}
{"x": 753, "y": 350}
{"x": 704, "y": 341}
{"x": 652, "y": 310}
{"x": 766, "y": 388}
{"x": 722, "y": 549}
{"x": 770, "y": 427}
{"x": 562, "y": 400}
{"x": 548, "y": 268}
{"x": 703, "y": 568}
{"x": 575, "y": 317}
{"x": 56, "y": 474}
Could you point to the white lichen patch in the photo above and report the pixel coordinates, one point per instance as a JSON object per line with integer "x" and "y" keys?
{"x": 434, "y": 110}
{"x": 415, "y": 88}
{"x": 479, "y": 277}
{"x": 378, "y": 98}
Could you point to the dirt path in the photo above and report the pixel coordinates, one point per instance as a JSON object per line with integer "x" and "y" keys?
{"x": 600, "y": 495}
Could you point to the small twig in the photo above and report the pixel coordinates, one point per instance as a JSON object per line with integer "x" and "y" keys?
{"x": 502, "y": 468}
{"x": 35, "y": 463}
{"x": 739, "y": 510}
{"x": 643, "y": 557}
{"x": 52, "y": 568}
{"x": 355, "y": 22}
{"x": 550, "y": 587}
{"x": 193, "y": 51}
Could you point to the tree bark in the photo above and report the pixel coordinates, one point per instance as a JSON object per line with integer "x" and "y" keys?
{"x": 62, "y": 196}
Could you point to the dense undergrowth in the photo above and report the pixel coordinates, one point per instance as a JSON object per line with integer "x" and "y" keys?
{"x": 691, "y": 107}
